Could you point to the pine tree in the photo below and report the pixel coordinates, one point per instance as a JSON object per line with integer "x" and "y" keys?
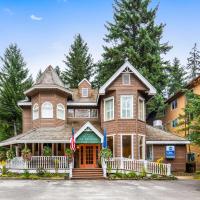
{"x": 79, "y": 63}
{"x": 58, "y": 70}
{"x": 193, "y": 65}
{"x": 39, "y": 74}
{"x": 176, "y": 77}
{"x": 135, "y": 35}
{"x": 14, "y": 81}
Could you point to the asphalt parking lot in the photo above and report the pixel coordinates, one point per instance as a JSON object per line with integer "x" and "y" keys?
{"x": 101, "y": 190}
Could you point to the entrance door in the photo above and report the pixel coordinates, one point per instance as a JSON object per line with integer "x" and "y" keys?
{"x": 89, "y": 155}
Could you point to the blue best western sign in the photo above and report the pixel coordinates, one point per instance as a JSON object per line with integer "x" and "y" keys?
{"x": 170, "y": 152}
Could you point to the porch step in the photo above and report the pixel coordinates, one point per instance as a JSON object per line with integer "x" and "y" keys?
{"x": 79, "y": 173}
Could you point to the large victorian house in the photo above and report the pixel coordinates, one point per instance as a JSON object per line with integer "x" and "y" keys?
{"x": 51, "y": 110}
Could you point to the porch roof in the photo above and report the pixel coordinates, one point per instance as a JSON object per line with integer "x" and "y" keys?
{"x": 158, "y": 136}
{"x": 61, "y": 134}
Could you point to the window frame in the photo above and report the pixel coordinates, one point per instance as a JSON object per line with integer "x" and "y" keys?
{"x": 34, "y": 110}
{"x": 152, "y": 152}
{"x": 143, "y": 147}
{"x": 44, "y": 116}
{"x": 172, "y": 107}
{"x": 132, "y": 144}
{"x": 123, "y": 79}
{"x": 113, "y": 108}
{"x": 121, "y": 109}
{"x": 113, "y": 144}
{"x": 57, "y": 111}
{"x": 172, "y": 123}
{"x": 144, "y": 113}
{"x": 82, "y": 93}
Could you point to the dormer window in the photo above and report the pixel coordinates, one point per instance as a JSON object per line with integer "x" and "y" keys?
{"x": 84, "y": 92}
{"x": 126, "y": 79}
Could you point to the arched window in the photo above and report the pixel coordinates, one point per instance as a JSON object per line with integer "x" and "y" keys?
{"x": 60, "y": 111}
{"x": 35, "y": 111}
{"x": 47, "y": 110}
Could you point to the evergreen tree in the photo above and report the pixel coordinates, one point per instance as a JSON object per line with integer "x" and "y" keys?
{"x": 39, "y": 74}
{"x": 79, "y": 63}
{"x": 176, "y": 77}
{"x": 14, "y": 81}
{"x": 134, "y": 35}
{"x": 58, "y": 70}
{"x": 193, "y": 65}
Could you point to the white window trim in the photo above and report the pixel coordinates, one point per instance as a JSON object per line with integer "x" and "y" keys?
{"x": 132, "y": 144}
{"x": 82, "y": 93}
{"x": 144, "y": 145}
{"x": 144, "y": 113}
{"x": 152, "y": 152}
{"x": 33, "y": 111}
{"x": 131, "y": 117}
{"x": 57, "y": 111}
{"x": 42, "y": 113}
{"x": 113, "y": 136}
{"x": 107, "y": 99}
{"x": 129, "y": 79}
{"x": 97, "y": 113}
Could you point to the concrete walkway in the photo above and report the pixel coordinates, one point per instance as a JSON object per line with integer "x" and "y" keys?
{"x": 100, "y": 190}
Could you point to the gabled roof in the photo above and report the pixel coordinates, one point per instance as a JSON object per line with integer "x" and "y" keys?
{"x": 84, "y": 80}
{"x": 88, "y": 125}
{"x": 127, "y": 64}
{"x": 49, "y": 80}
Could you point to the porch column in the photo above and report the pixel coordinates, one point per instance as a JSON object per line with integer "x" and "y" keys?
{"x": 56, "y": 149}
{"x": 33, "y": 149}
{"x": 17, "y": 150}
{"x": 38, "y": 149}
{"x": 52, "y": 149}
{"x": 64, "y": 148}
{"x": 42, "y": 145}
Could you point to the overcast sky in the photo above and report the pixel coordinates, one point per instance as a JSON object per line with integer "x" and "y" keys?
{"x": 44, "y": 29}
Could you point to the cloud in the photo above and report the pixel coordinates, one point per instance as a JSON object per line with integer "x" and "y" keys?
{"x": 8, "y": 11}
{"x": 36, "y": 18}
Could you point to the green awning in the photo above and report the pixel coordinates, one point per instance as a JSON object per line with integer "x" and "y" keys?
{"x": 88, "y": 137}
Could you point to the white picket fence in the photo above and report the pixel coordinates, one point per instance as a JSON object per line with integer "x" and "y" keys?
{"x": 127, "y": 164}
{"x": 36, "y": 162}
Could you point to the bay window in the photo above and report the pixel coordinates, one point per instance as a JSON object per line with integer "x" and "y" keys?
{"x": 126, "y": 104}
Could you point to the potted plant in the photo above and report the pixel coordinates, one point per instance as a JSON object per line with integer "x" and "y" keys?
{"x": 47, "y": 151}
{"x": 106, "y": 153}
{"x": 69, "y": 154}
{"x": 10, "y": 154}
{"x": 26, "y": 154}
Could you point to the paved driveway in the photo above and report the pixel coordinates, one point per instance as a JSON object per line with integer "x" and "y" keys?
{"x": 92, "y": 190}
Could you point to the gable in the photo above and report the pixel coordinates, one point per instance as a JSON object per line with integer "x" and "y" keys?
{"x": 127, "y": 67}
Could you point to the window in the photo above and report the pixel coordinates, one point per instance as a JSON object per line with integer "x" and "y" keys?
{"x": 141, "y": 109}
{"x": 175, "y": 123}
{"x": 110, "y": 142}
{"x": 60, "y": 111}
{"x": 126, "y": 146}
{"x": 109, "y": 109}
{"x": 150, "y": 152}
{"x": 93, "y": 113}
{"x": 126, "y": 106}
{"x": 174, "y": 104}
{"x": 84, "y": 92}
{"x": 126, "y": 79}
{"x": 82, "y": 113}
{"x": 70, "y": 113}
{"x": 141, "y": 147}
{"x": 47, "y": 110}
{"x": 35, "y": 111}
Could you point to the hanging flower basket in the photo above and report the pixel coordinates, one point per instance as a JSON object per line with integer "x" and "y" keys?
{"x": 10, "y": 154}
{"x": 26, "y": 154}
{"x": 69, "y": 154}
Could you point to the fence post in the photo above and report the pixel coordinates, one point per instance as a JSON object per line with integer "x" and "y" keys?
{"x": 168, "y": 169}
{"x": 146, "y": 166}
{"x": 122, "y": 163}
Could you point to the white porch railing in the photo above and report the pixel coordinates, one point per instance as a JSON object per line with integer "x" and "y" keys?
{"x": 127, "y": 164}
{"x": 45, "y": 162}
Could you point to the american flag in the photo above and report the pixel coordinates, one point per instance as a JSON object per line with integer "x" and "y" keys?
{"x": 72, "y": 141}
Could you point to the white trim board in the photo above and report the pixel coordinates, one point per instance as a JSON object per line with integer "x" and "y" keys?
{"x": 88, "y": 125}
{"x": 84, "y": 80}
{"x": 167, "y": 142}
{"x": 152, "y": 90}
{"x": 81, "y": 104}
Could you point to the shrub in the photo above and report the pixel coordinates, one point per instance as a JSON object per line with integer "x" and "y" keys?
{"x": 26, "y": 174}
{"x": 120, "y": 175}
{"x": 143, "y": 173}
{"x": 2, "y": 155}
{"x": 47, "y": 151}
{"x": 154, "y": 176}
{"x": 131, "y": 174}
{"x": 69, "y": 153}
{"x": 40, "y": 171}
{"x": 10, "y": 154}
